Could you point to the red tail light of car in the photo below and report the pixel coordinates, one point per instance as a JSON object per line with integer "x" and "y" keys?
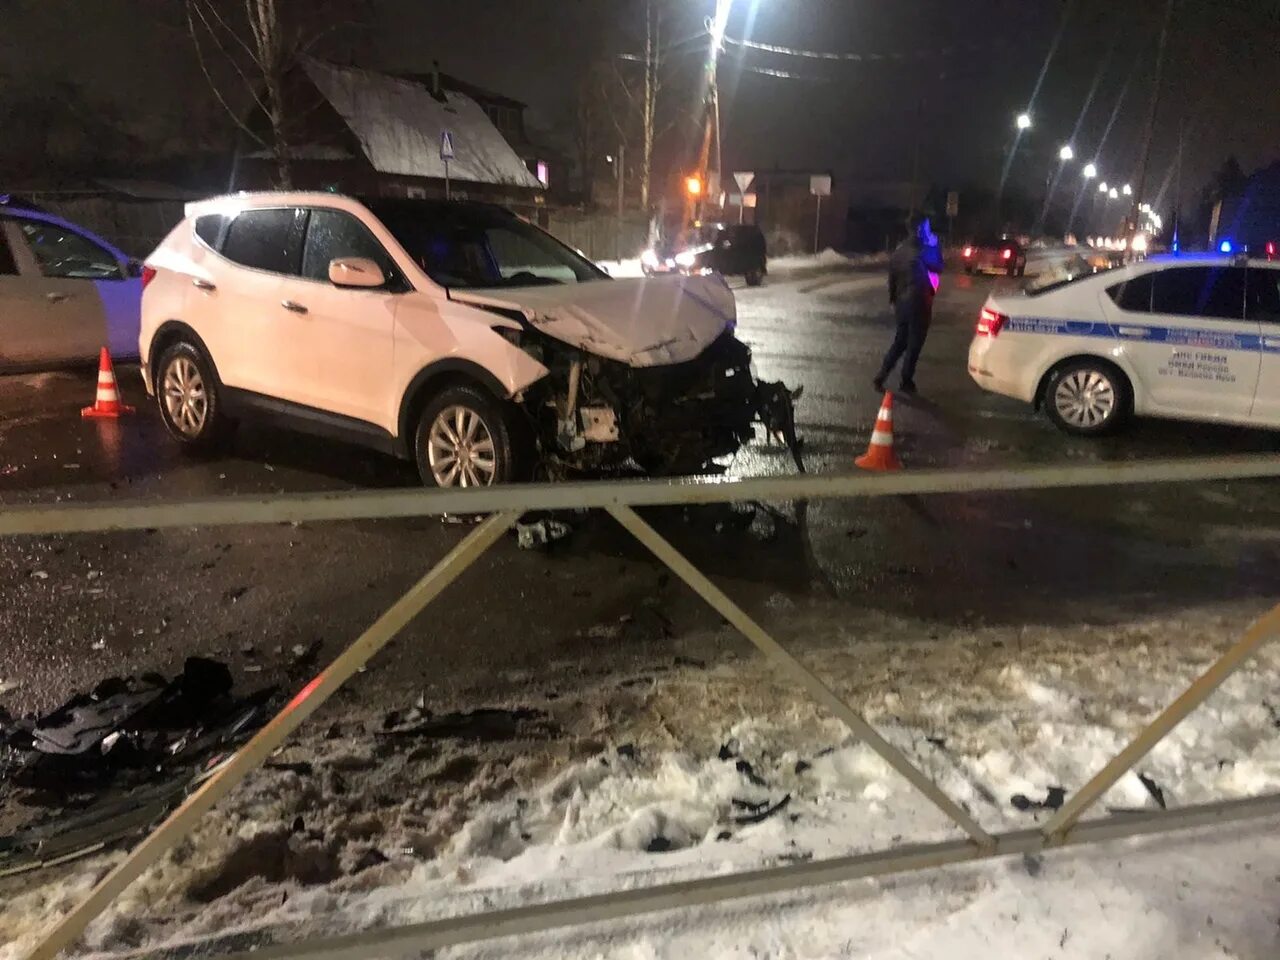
{"x": 968, "y": 251}
{"x": 990, "y": 323}
{"x": 1007, "y": 254}
{"x": 148, "y": 274}
{"x": 1271, "y": 250}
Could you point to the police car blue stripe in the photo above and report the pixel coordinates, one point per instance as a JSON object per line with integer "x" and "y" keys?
{"x": 1176, "y": 336}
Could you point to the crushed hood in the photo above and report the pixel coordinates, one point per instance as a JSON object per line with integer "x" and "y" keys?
{"x": 642, "y": 322}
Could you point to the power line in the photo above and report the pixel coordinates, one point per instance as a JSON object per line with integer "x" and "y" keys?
{"x": 851, "y": 57}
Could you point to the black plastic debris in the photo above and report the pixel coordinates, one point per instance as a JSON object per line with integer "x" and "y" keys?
{"x": 1154, "y": 789}
{"x": 745, "y": 768}
{"x": 140, "y": 726}
{"x": 659, "y": 844}
{"x": 1052, "y": 801}
{"x": 761, "y": 812}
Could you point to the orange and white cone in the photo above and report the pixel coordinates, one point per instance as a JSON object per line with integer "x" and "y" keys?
{"x": 106, "y": 403}
{"x": 880, "y": 454}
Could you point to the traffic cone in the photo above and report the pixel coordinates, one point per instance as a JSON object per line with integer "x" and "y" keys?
{"x": 106, "y": 404}
{"x": 880, "y": 455}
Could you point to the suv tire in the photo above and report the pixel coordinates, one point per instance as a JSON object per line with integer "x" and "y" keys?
{"x": 464, "y": 439}
{"x": 1088, "y": 398}
{"x": 754, "y": 277}
{"x": 188, "y": 395}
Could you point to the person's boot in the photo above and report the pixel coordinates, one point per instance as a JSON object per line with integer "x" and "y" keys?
{"x": 908, "y": 387}
{"x": 878, "y": 383}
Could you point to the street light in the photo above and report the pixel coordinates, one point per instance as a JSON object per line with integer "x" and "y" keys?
{"x": 1066, "y": 153}
{"x": 1090, "y": 171}
{"x": 1114, "y": 194}
{"x": 1024, "y": 121}
{"x": 693, "y": 186}
{"x": 1102, "y": 187}
{"x": 1128, "y": 190}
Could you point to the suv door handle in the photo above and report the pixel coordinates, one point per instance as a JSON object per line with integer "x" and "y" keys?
{"x": 201, "y": 284}
{"x": 293, "y": 306}
{"x": 54, "y": 297}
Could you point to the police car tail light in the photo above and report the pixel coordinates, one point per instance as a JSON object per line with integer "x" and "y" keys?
{"x": 990, "y": 322}
{"x": 968, "y": 251}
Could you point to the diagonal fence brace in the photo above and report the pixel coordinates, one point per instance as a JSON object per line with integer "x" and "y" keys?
{"x": 1057, "y": 827}
{"x": 254, "y": 753}
{"x": 820, "y": 692}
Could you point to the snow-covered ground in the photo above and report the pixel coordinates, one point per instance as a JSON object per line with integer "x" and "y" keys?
{"x": 657, "y": 778}
{"x": 828, "y": 259}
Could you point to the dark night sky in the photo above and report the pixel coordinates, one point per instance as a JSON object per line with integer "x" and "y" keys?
{"x": 1223, "y": 72}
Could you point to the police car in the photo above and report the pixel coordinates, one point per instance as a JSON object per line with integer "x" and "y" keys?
{"x": 1193, "y": 337}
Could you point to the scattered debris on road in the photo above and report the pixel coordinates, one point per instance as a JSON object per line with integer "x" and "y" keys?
{"x": 541, "y": 533}
{"x": 1052, "y": 801}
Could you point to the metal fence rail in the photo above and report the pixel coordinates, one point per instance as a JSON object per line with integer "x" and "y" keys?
{"x": 507, "y": 504}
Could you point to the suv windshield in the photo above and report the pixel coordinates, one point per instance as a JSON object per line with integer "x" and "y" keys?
{"x": 472, "y": 246}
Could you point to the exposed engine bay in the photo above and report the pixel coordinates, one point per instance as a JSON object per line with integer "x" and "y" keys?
{"x": 597, "y": 414}
{"x": 639, "y": 372}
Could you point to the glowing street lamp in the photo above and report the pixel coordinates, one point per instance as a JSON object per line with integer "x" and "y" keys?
{"x": 1090, "y": 171}
{"x": 693, "y": 186}
{"x": 1023, "y": 122}
{"x": 1066, "y": 153}
{"x": 1128, "y": 190}
{"x": 1114, "y": 194}
{"x": 1102, "y": 187}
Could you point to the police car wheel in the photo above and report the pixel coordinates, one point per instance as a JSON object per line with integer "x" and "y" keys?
{"x": 1087, "y": 398}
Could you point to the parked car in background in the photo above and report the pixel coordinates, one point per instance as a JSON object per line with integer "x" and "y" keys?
{"x": 1190, "y": 337}
{"x": 453, "y": 334}
{"x": 734, "y": 250}
{"x": 1001, "y": 255}
{"x": 65, "y": 293}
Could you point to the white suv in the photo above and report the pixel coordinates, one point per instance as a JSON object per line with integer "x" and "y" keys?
{"x": 455, "y": 334}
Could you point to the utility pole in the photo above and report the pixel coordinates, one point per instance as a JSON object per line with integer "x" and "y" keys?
{"x": 1149, "y": 132}
{"x": 651, "y": 55}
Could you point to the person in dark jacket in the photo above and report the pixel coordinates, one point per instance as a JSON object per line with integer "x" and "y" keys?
{"x": 914, "y": 269}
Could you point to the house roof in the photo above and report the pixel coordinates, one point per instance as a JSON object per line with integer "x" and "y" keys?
{"x": 478, "y": 93}
{"x": 399, "y": 125}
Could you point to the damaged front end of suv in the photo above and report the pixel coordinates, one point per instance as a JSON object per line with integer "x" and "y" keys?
{"x": 642, "y": 374}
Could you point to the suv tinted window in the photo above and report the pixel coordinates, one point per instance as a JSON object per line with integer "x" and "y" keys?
{"x": 65, "y": 254}
{"x": 1264, "y": 295}
{"x": 268, "y": 240}
{"x": 211, "y": 228}
{"x": 1200, "y": 292}
{"x": 1133, "y": 295}
{"x": 332, "y": 234}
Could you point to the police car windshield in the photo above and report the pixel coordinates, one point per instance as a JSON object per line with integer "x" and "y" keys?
{"x": 1063, "y": 275}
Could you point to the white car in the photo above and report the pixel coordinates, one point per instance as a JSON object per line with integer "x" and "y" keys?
{"x": 1193, "y": 337}
{"x": 454, "y": 334}
{"x": 64, "y": 292}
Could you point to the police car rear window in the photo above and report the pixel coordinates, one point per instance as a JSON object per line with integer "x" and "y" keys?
{"x": 1066, "y": 275}
{"x": 1133, "y": 295}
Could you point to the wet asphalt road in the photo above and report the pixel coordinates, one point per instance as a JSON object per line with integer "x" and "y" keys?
{"x": 76, "y": 609}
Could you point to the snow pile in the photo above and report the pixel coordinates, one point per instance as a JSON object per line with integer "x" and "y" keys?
{"x": 399, "y": 125}
{"x": 827, "y": 259}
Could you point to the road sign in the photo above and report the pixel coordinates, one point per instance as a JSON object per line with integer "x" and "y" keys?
{"x": 744, "y": 179}
{"x": 446, "y": 144}
{"x": 953, "y": 203}
{"x": 820, "y": 185}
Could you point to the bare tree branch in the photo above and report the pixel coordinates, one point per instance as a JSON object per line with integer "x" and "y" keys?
{"x": 213, "y": 85}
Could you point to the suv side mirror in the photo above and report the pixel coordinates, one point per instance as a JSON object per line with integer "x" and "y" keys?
{"x": 355, "y": 272}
